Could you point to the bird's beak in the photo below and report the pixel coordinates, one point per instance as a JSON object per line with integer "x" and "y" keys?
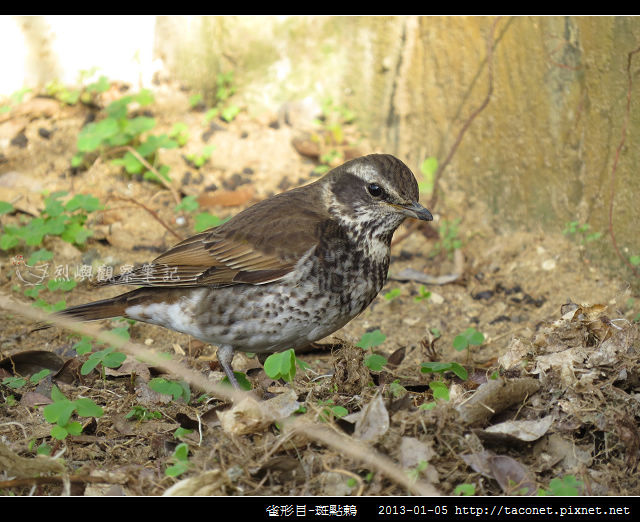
{"x": 414, "y": 210}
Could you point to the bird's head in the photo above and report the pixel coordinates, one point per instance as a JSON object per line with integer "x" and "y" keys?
{"x": 376, "y": 192}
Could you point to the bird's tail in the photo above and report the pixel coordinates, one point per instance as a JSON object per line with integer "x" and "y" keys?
{"x": 103, "y": 309}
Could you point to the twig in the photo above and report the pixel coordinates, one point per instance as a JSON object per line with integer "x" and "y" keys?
{"x": 623, "y": 138}
{"x": 413, "y": 226}
{"x": 150, "y": 167}
{"x": 55, "y": 479}
{"x": 474, "y": 114}
{"x": 153, "y": 214}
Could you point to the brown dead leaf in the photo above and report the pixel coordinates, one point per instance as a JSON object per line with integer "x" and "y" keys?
{"x": 226, "y": 198}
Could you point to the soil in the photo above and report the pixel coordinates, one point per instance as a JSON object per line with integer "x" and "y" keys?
{"x": 560, "y": 341}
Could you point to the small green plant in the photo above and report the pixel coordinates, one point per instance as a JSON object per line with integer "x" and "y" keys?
{"x": 449, "y": 241}
{"x": 392, "y": 294}
{"x": 225, "y": 88}
{"x": 428, "y": 169}
{"x": 188, "y": 204}
{"x": 198, "y": 160}
{"x": 568, "y": 485}
{"x": 195, "y": 100}
{"x": 85, "y": 94}
{"x": 423, "y": 294}
{"x": 107, "y": 358}
{"x": 83, "y": 346}
{"x": 580, "y": 231}
{"x": 118, "y": 130}
{"x": 281, "y": 365}
{"x": 368, "y": 341}
{"x": 229, "y": 113}
{"x": 331, "y": 134}
{"x": 15, "y": 99}
{"x": 177, "y": 390}
{"x": 440, "y": 392}
{"x": 465, "y": 490}
{"x": 441, "y": 368}
{"x": 61, "y": 410}
{"x": 634, "y": 260}
{"x": 397, "y": 390}
{"x": 371, "y": 339}
{"x": 180, "y": 133}
{"x": 140, "y": 413}
{"x": 14, "y": 382}
{"x": 243, "y": 382}
{"x": 66, "y": 220}
{"x": 43, "y": 449}
{"x": 181, "y": 432}
{"x": 180, "y": 460}
{"x": 470, "y": 337}
{"x": 330, "y": 410}
{"x": 37, "y": 377}
{"x": 414, "y": 474}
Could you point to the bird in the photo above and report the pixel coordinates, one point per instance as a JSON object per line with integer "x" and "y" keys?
{"x": 285, "y": 272}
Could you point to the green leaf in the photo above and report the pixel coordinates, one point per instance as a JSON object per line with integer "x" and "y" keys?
{"x": 96, "y": 134}
{"x": 74, "y": 428}
{"x": 56, "y": 394}
{"x": 59, "y": 433}
{"x": 441, "y": 367}
{"x": 89, "y": 365}
{"x": 195, "y": 99}
{"x": 37, "y": 377}
{"x": 459, "y": 371}
{"x": 392, "y": 294}
{"x": 281, "y": 365}
{"x": 40, "y": 255}
{"x": 83, "y": 346}
{"x": 130, "y": 163}
{"x": 62, "y": 284}
{"x": 44, "y": 449}
{"x": 122, "y": 331}
{"x": 188, "y": 204}
{"x": 229, "y": 113}
{"x": 440, "y": 390}
{"x": 153, "y": 143}
{"x": 465, "y": 490}
{"x": 181, "y": 432}
{"x": 87, "y": 408}
{"x": 435, "y": 367}
{"x": 243, "y": 382}
{"x": 59, "y": 412}
{"x": 166, "y": 387}
{"x": 76, "y": 234}
{"x": 429, "y": 166}
{"x": 375, "y": 362}
{"x": 8, "y": 241}
{"x": 85, "y": 202}
{"x": 5, "y": 207}
{"x": 144, "y": 97}
{"x": 634, "y": 260}
{"x": 14, "y": 382}
{"x": 371, "y": 339}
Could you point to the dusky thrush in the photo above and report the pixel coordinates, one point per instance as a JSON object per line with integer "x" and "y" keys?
{"x": 285, "y": 272}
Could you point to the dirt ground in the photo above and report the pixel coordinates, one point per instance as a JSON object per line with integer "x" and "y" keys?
{"x": 559, "y": 336}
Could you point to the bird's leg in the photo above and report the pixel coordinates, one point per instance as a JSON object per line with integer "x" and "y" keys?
{"x": 225, "y": 357}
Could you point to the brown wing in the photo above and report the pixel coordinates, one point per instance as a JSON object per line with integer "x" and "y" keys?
{"x": 260, "y": 245}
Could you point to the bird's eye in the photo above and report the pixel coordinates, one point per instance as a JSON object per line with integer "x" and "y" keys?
{"x": 375, "y": 190}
